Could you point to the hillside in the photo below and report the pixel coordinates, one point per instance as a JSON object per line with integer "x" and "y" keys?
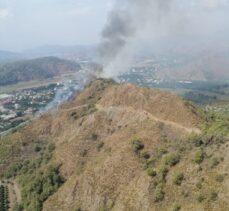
{"x": 35, "y": 69}
{"x": 6, "y": 56}
{"x": 205, "y": 67}
{"x": 65, "y": 52}
{"x": 120, "y": 147}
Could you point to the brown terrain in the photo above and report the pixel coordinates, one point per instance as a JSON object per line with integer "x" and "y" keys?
{"x": 109, "y": 138}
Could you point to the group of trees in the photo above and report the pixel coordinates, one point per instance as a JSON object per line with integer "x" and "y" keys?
{"x": 38, "y": 186}
{"x": 38, "y": 179}
{"x": 4, "y": 202}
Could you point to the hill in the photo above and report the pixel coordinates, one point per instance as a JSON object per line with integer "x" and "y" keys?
{"x": 120, "y": 147}
{"x": 35, "y": 69}
{"x": 187, "y": 64}
{"x": 204, "y": 67}
{"x": 65, "y": 52}
{"x": 7, "y": 56}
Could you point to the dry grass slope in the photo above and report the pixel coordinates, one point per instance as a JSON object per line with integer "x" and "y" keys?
{"x": 123, "y": 147}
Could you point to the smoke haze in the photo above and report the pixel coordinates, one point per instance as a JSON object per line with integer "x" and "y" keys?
{"x": 133, "y": 25}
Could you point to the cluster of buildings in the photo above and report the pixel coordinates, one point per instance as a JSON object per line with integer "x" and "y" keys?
{"x": 18, "y": 106}
{"x": 141, "y": 76}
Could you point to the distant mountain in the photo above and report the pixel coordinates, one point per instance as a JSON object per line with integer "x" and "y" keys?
{"x": 207, "y": 67}
{"x": 66, "y": 52}
{"x": 35, "y": 69}
{"x": 204, "y": 65}
{"x": 7, "y": 56}
{"x": 76, "y": 53}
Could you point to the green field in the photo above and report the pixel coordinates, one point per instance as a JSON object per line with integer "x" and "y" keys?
{"x": 32, "y": 84}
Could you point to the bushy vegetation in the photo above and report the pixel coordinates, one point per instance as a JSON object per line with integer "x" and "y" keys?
{"x": 213, "y": 195}
{"x": 17, "y": 168}
{"x": 12, "y": 170}
{"x": 151, "y": 172}
{"x": 176, "y": 207}
{"x": 99, "y": 145}
{"x": 51, "y": 147}
{"x": 199, "y": 156}
{"x": 18, "y": 207}
{"x": 217, "y": 125}
{"x": 199, "y": 98}
{"x": 178, "y": 178}
{"x": 201, "y": 198}
{"x": 144, "y": 155}
{"x": 137, "y": 145}
{"x": 159, "y": 193}
{"x": 37, "y": 185}
{"x": 219, "y": 178}
{"x": 199, "y": 184}
{"x": 172, "y": 159}
{"x": 94, "y": 136}
{"x": 37, "y": 179}
{"x": 215, "y": 162}
{"x": 89, "y": 109}
{"x": 162, "y": 173}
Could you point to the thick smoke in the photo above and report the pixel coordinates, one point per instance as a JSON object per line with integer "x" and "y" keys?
{"x": 125, "y": 22}
{"x": 161, "y": 26}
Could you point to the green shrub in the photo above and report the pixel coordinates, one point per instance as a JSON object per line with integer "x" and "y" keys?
{"x": 137, "y": 145}
{"x": 18, "y": 207}
{"x": 12, "y": 170}
{"x": 151, "y": 162}
{"x": 219, "y": 178}
{"x": 94, "y": 136}
{"x": 178, "y": 178}
{"x": 99, "y": 145}
{"x": 162, "y": 173}
{"x": 185, "y": 193}
{"x": 87, "y": 110}
{"x": 83, "y": 152}
{"x": 197, "y": 140}
{"x": 214, "y": 162}
{"x": 200, "y": 198}
{"x": 151, "y": 172}
{"x": 159, "y": 193}
{"x": 37, "y": 148}
{"x": 162, "y": 151}
{"x": 176, "y": 207}
{"x": 144, "y": 155}
{"x": 199, "y": 185}
{"x": 199, "y": 156}
{"x": 51, "y": 147}
{"x": 172, "y": 159}
{"x": 213, "y": 196}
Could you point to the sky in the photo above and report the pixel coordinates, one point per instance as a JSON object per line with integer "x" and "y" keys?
{"x": 26, "y": 24}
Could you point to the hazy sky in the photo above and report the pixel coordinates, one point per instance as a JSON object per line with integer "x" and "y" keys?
{"x": 30, "y": 23}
